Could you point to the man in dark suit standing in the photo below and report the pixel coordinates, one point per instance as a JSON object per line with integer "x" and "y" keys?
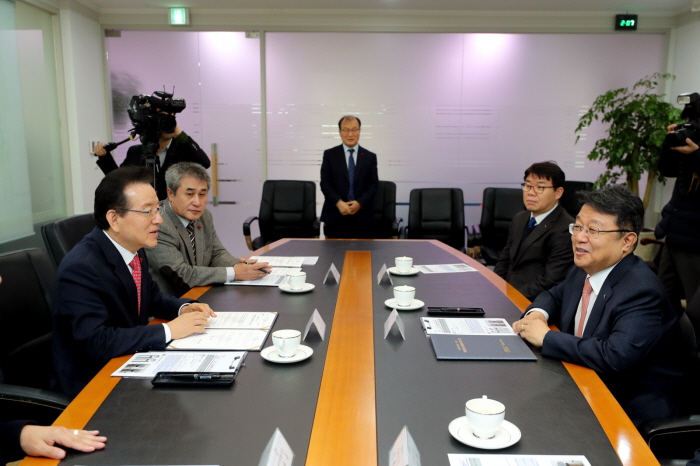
{"x": 349, "y": 182}
{"x": 105, "y": 294}
{"x": 612, "y": 311}
{"x": 173, "y": 147}
{"x": 189, "y": 252}
{"x": 538, "y": 252}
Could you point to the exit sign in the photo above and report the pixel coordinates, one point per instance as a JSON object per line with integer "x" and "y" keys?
{"x": 625, "y": 22}
{"x": 179, "y": 16}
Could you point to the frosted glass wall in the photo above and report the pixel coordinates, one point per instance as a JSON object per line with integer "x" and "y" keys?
{"x": 446, "y": 110}
{"x": 440, "y": 110}
{"x": 218, "y": 75}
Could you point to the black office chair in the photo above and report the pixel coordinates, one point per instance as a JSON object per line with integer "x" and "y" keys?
{"x": 28, "y": 278}
{"x": 569, "y": 200}
{"x": 61, "y": 236}
{"x": 673, "y": 441}
{"x": 287, "y": 210}
{"x": 436, "y": 213}
{"x": 386, "y": 225}
{"x": 498, "y": 208}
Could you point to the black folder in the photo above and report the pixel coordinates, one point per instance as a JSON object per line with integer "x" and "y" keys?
{"x": 482, "y": 347}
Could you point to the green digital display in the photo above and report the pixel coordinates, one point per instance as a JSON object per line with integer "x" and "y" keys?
{"x": 626, "y": 22}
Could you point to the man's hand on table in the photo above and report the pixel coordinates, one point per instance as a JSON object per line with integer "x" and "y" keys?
{"x": 532, "y": 328}
{"x": 193, "y": 319}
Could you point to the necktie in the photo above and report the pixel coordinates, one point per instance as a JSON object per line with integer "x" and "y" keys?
{"x": 585, "y": 298}
{"x": 190, "y": 232}
{"x": 136, "y": 274}
{"x": 351, "y": 176}
{"x": 528, "y": 229}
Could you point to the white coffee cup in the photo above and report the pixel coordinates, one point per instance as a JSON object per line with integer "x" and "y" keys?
{"x": 403, "y": 264}
{"x": 296, "y": 280}
{"x": 287, "y": 342}
{"x": 485, "y": 416}
{"x": 403, "y": 295}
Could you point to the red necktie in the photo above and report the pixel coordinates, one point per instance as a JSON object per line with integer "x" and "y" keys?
{"x": 585, "y": 298}
{"x": 136, "y": 268}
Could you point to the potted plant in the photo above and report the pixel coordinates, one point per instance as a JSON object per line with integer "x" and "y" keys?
{"x": 638, "y": 118}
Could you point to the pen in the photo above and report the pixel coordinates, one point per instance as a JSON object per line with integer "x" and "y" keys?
{"x": 263, "y": 270}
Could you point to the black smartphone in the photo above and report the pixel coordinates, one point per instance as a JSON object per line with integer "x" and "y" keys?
{"x": 457, "y": 311}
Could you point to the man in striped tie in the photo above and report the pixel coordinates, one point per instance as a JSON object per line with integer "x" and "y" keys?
{"x": 612, "y": 311}
{"x": 189, "y": 252}
{"x": 104, "y": 293}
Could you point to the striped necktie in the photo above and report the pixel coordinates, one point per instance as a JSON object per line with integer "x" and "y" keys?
{"x": 190, "y": 232}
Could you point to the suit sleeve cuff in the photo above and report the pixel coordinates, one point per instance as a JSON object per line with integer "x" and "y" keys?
{"x": 230, "y": 274}
{"x": 168, "y": 335}
{"x": 545, "y": 313}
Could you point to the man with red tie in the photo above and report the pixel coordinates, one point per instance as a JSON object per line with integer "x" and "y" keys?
{"x": 612, "y": 311}
{"x": 104, "y": 292}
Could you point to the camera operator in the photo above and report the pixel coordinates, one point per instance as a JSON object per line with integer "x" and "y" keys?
{"x": 679, "y": 266}
{"x": 152, "y": 123}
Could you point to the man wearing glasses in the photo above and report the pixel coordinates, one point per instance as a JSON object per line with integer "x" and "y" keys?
{"x": 538, "y": 252}
{"x": 349, "y": 182}
{"x": 612, "y": 311}
{"x": 104, "y": 293}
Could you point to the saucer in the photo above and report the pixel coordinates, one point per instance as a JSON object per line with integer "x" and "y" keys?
{"x": 508, "y": 434}
{"x": 395, "y": 271}
{"x": 415, "y": 304}
{"x": 304, "y": 288}
{"x": 270, "y": 353}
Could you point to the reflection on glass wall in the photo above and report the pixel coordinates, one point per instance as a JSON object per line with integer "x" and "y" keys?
{"x": 31, "y": 165}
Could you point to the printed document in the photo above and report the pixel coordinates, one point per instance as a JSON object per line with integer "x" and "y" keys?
{"x": 517, "y": 460}
{"x": 445, "y": 268}
{"x": 465, "y": 326}
{"x": 147, "y": 365}
{"x": 276, "y": 277}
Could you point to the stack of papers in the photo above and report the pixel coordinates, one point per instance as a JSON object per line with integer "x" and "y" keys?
{"x": 230, "y": 331}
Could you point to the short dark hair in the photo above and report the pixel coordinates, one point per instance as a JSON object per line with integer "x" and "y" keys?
{"x": 109, "y": 194}
{"x": 352, "y": 117}
{"x": 618, "y": 201}
{"x": 175, "y": 174}
{"x": 547, "y": 170}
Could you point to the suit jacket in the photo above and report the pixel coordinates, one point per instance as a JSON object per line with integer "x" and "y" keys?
{"x": 182, "y": 149}
{"x": 632, "y": 338}
{"x": 543, "y": 258}
{"x": 95, "y": 315}
{"x": 171, "y": 262}
{"x": 335, "y": 184}
{"x": 10, "y": 449}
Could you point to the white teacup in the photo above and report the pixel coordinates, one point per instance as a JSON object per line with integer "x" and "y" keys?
{"x": 403, "y": 295}
{"x": 403, "y": 264}
{"x": 485, "y": 416}
{"x": 287, "y": 342}
{"x": 296, "y": 280}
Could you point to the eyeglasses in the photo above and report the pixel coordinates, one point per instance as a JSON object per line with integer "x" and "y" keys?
{"x": 148, "y": 213}
{"x": 592, "y": 232}
{"x": 350, "y": 130}
{"x": 538, "y": 189}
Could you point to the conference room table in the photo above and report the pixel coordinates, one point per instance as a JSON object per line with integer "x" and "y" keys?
{"x": 348, "y": 402}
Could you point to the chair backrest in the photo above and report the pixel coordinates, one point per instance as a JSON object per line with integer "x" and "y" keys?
{"x": 569, "y": 200}
{"x": 499, "y": 205}
{"x": 287, "y": 210}
{"x": 437, "y": 213}
{"x": 384, "y": 210}
{"x": 61, "y": 236}
{"x": 28, "y": 278}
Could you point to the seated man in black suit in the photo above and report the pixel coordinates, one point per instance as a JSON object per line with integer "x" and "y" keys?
{"x": 349, "y": 182}
{"x": 173, "y": 147}
{"x": 538, "y": 252}
{"x": 105, "y": 294}
{"x": 612, "y": 311}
